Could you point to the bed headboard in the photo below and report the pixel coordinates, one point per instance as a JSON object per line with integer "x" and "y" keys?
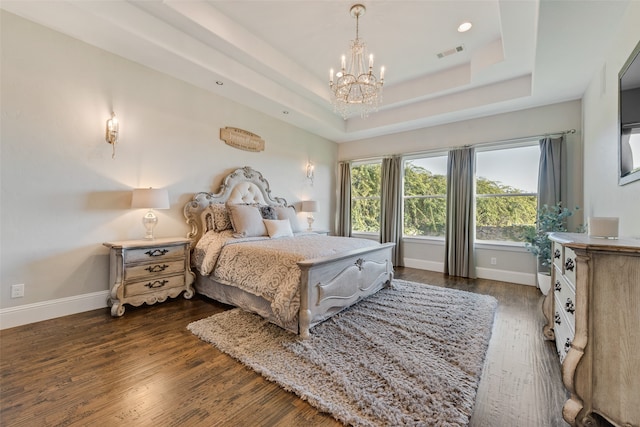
{"x": 244, "y": 185}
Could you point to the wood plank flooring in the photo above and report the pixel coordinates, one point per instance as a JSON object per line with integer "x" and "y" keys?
{"x": 146, "y": 369}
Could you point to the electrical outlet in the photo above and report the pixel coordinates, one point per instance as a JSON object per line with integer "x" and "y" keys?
{"x": 17, "y": 291}
{"x": 494, "y": 261}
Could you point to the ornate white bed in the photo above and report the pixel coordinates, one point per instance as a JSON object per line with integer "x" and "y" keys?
{"x": 355, "y": 269}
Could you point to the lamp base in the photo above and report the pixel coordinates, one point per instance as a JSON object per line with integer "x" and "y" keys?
{"x": 149, "y": 221}
{"x": 310, "y": 220}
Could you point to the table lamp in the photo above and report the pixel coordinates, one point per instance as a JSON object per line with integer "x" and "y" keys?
{"x": 150, "y": 198}
{"x": 309, "y": 206}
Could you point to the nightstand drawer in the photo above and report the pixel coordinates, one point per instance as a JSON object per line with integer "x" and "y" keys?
{"x": 153, "y": 253}
{"x": 154, "y": 285}
{"x": 150, "y": 270}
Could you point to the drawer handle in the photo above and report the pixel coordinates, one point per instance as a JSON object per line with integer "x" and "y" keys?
{"x": 157, "y": 268}
{"x": 569, "y": 306}
{"x": 156, "y": 284}
{"x": 569, "y": 264}
{"x": 556, "y": 318}
{"x": 556, "y": 253}
{"x": 157, "y": 252}
{"x": 567, "y": 345}
{"x": 558, "y": 286}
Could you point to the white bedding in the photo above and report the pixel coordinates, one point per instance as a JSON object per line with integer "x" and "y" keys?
{"x": 267, "y": 267}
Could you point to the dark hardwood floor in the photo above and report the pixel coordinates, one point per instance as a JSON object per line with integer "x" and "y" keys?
{"x": 146, "y": 369}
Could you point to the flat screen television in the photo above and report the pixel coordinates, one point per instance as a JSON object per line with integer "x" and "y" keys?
{"x": 629, "y": 122}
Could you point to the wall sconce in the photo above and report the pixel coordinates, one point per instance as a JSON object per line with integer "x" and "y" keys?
{"x": 310, "y": 172}
{"x": 309, "y": 206}
{"x": 111, "y": 135}
{"x": 150, "y": 198}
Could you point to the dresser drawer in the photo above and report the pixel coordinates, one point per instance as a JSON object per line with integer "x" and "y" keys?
{"x": 564, "y": 335}
{"x": 153, "y": 285}
{"x": 565, "y": 298}
{"x": 557, "y": 255}
{"x": 155, "y": 269}
{"x": 569, "y": 265}
{"x": 154, "y": 253}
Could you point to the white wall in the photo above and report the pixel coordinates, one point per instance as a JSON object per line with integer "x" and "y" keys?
{"x": 513, "y": 264}
{"x": 603, "y": 196}
{"x": 63, "y": 194}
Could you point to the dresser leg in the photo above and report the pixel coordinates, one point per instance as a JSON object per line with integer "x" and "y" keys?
{"x": 117, "y": 309}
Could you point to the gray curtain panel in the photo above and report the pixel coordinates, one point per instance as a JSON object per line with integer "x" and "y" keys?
{"x": 550, "y": 172}
{"x": 460, "y": 224}
{"x": 391, "y": 206}
{"x": 344, "y": 199}
{"x": 550, "y": 181}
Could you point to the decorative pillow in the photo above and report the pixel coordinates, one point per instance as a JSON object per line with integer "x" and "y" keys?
{"x": 278, "y": 228}
{"x": 207, "y": 220}
{"x": 289, "y": 212}
{"x": 221, "y": 220}
{"x": 268, "y": 212}
{"x": 246, "y": 220}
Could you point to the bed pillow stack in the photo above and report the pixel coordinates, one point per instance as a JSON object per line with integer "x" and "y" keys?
{"x": 249, "y": 220}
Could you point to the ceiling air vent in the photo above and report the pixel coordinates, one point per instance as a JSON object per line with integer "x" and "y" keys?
{"x": 451, "y": 51}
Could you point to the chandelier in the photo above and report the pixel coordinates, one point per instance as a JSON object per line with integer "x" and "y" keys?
{"x": 356, "y": 85}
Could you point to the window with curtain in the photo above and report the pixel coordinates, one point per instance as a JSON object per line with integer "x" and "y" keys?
{"x": 425, "y": 196}
{"x": 506, "y": 192}
{"x": 365, "y": 197}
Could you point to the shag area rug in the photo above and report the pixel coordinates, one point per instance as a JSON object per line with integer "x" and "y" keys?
{"x": 408, "y": 355}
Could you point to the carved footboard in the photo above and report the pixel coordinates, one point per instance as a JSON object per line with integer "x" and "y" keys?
{"x": 331, "y": 284}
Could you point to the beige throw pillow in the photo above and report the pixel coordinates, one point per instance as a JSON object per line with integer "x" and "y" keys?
{"x": 247, "y": 221}
{"x": 278, "y": 228}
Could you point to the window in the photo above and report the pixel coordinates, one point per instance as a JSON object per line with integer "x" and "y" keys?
{"x": 506, "y": 192}
{"x": 425, "y": 196}
{"x": 365, "y": 197}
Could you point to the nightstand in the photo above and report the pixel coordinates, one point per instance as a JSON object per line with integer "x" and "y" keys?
{"x": 148, "y": 271}
{"x": 324, "y": 232}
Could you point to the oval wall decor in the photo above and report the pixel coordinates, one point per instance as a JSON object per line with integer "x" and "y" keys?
{"x": 241, "y": 139}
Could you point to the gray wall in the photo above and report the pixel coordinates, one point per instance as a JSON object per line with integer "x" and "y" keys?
{"x": 603, "y": 196}
{"x": 62, "y": 193}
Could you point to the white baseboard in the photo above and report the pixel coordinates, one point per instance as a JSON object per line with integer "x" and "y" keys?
{"x": 528, "y": 279}
{"x": 31, "y": 313}
{"x": 482, "y": 272}
{"x": 421, "y": 264}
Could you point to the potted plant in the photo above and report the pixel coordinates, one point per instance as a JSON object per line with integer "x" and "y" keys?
{"x": 548, "y": 219}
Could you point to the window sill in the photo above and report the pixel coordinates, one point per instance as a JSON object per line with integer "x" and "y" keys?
{"x": 480, "y": 244}
{"x": 424, "y": 239}
{"x": 501, "y": 246}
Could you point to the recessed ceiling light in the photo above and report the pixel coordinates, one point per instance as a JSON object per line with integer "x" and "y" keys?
{"x": 464, "y": 27}
{"x": 219, "y": 83}
{"x": 285, "y": 112}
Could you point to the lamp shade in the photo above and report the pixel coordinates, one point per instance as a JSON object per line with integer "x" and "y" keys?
{"x": 150, "y": 198}
{"x": 309, "y": 206}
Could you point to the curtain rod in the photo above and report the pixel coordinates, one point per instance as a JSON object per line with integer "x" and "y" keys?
{"x": 522, "y": 138}
{"x": 479, "y": 144}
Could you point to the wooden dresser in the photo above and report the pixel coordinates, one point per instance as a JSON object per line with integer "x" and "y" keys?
{"x": 593, "y": 313}
{"x": 148, "y": 271}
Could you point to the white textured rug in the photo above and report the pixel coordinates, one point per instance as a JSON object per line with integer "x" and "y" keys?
{"x": 408, "y": 355}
